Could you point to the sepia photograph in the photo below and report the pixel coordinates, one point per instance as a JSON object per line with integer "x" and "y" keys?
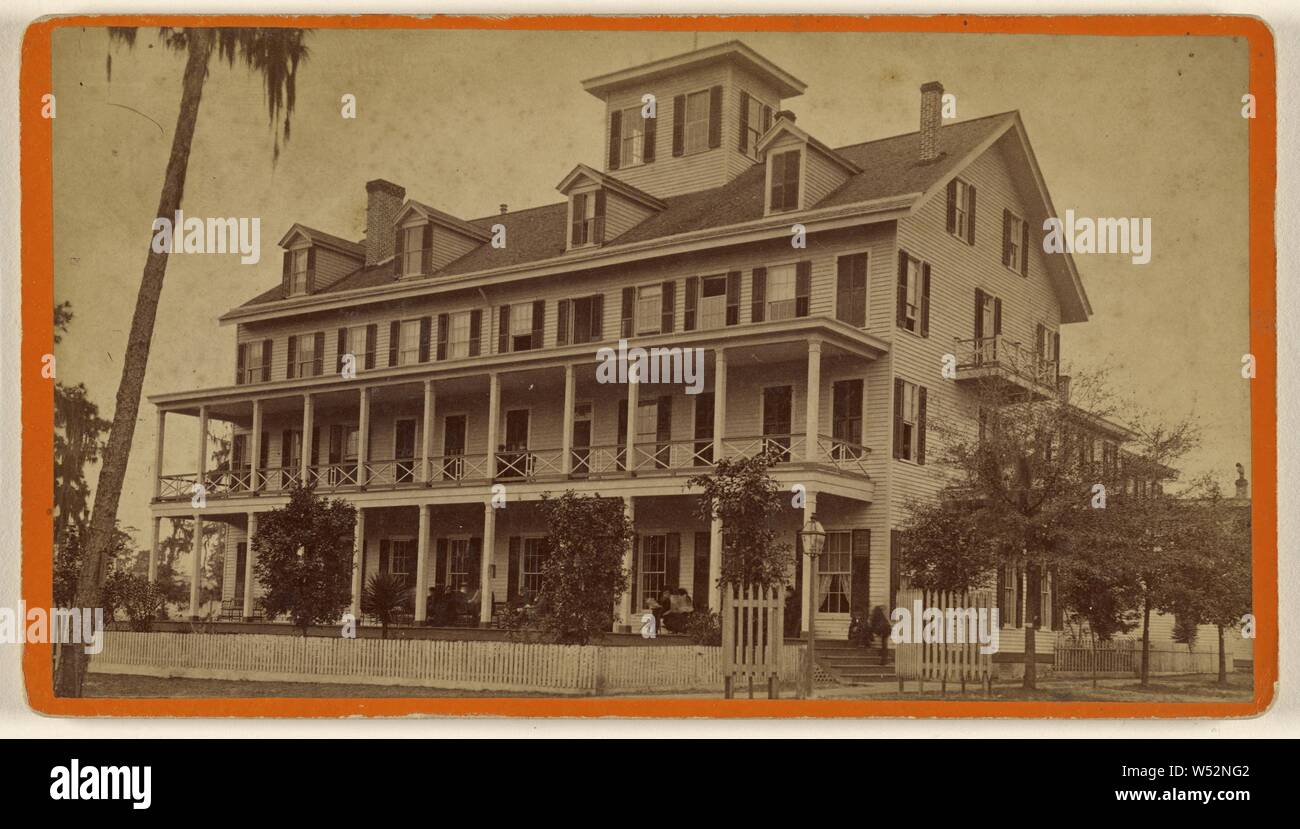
{"x": 631, "y": 366}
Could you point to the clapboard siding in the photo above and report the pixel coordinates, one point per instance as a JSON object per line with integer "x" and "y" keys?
{"x": 957, "y": 270}
{"x": 331, "y": 266}
{"x": 622, "y": 214}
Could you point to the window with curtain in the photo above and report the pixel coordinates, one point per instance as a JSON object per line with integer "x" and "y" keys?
{"x": 835, "y": 573}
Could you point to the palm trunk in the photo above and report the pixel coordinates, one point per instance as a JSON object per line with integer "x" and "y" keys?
{"x": 70, "y": 672}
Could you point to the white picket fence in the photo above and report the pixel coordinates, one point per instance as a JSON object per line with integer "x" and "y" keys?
{"x": 955, "y": 663}
{"x": 436, "y": 663}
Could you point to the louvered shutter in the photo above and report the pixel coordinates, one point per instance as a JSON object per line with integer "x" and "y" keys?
{"x": 394, "y": 341}
{"x": 426, "y": 337}
{"x": 372, "y": 344}
{"x": 860, "y": 575}
{"x": 318, "y": 354}
{"x": 633, "y": 576}
{"x": 615, "y": 138}
{"x": 999, "y": 600}
{"x": 503, "y": 329}
{"x": 579, "y": 218}
{"x": 979, "y": 314}
{"x": 440, "y": 562}
{"x": 679, "y": 125}
{"x": 443, "y": 323}
{"x": 715, "y": 117}
{"x": 733, "y": 297}
{"x": 539, "y": 323}
{"x": 667, "y": 307}
{"x": 691, "y": 298}
{"x": 397, "y": 250}
{"x": 475, "y": 332}
{"x": 562, "y": 321}
{"x": 629, "y": 300}
{"x": 758, "y": 295}
{"x": 1020, "y": 604}
{"x": 920, "y": 425}
{"x": 952, "y": 205}
{"x": 311, "y": 270}
{"x": 598, "y": 318}
{"x": 293, "y": 356}
{"x": 286, "y": 272}
{"x": 1034, "y": 595}
{"x": 1057, "y": 618}
{"x": 648, "y": 140}
{"x": 925, "y": 299}
{"x": 802, "y": 288}
{"x": 970, "y": 215}
{"x": 844, "y": 310}
{"x": 598, "y": 226}
{"x": 1024, "y": 248}
{"x": 744, "y": 122}
{"x": 997, "y": 316}
{"x": 267, "y": 345}
{"x": 340, "y": 348}
{"x": 513, "y": 569}
{"x": 385, "y": 555}
{"x": 426, "y": 249}
{"x": 241, "y": 360}
{"x": 898, "y": 417}
{"x": 901, "y": 299}
{"x": 1006, "y": 237}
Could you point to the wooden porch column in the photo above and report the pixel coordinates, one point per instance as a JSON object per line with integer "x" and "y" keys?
{"x": 358, "y": 561}
{"x": 249, "y": 557}
{"x": 719, "y": 406}
{"x": 422, "y": 564}
{"x": 486, "y": 557}
{"x": 809, "y": 589}
{"x": 158, "y": 454}
{"x": 154, "y": 529}
{"x": 625, "y": 608}
{"x": 633, "y": 401}
{"x": 812, "y": 414}
{"x": 566, "y": 441}
{"x": 202, "y": 467}
{"x": 494, "y": 414}
{"x": 196, "y": 562}
{"x": 426, "y": 431}
{"x": 363, "y": 439}
{"x": 255, "y": 462}
{"x": 308, "y": 413}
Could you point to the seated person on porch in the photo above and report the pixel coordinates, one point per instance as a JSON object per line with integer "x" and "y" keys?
{"x": 680, "y": 608}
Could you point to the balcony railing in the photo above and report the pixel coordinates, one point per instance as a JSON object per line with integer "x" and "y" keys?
{"x": 679, "y": 456}
{"x": 1001, "y": 352}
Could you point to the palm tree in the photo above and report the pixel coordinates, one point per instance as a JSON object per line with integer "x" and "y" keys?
{"x": 386, "y": 597}
{"x": 274, "y": 54}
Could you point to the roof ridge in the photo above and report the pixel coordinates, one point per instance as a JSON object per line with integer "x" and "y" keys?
{"x": 918, "y": 132}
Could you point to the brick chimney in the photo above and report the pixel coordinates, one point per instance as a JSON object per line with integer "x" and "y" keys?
{"x": 931, "y": 119}
{"x": 383, "y": 200}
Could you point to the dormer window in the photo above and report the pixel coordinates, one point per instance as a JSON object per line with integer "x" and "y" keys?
{"x": 298, "y": 274}
{"x": 783, "y": 173}
{"x": 412, "y": 249}
{"x": 587, "y": 218}
{"x": 755, "y": 120}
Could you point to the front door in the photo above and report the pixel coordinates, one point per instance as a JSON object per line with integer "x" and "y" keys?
{"x": 582, "y": 439}
{"x": 514, "y": 461}
{"x": 404, "y": 450}
{"x": 453, "y": 447}
{"x": 777, "y": 424}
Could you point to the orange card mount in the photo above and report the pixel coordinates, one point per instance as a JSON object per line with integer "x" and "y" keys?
{"x": 38, "y": 300}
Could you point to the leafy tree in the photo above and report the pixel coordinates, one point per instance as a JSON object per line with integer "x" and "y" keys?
{"x": 583, "y": 575}
{"x": 304, "y": 558}
{"x": 140, "y": 599}
{"x": 385, "y": 597}
{"x": 742, "y": 493}
{"x": 945, "y": 548}
{"x": 273, "y": 54}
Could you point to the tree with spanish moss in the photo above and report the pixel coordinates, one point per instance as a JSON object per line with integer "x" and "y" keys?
{"x": 274, "y": 54}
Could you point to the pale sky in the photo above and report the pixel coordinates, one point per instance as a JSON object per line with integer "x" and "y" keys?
{"x": 1144, "y": 127}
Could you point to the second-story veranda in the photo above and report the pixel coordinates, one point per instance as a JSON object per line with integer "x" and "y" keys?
{"x": 448, "y": 432}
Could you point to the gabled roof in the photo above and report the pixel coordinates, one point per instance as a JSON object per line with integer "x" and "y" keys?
{"x": 320, "y": 237}
{"x": 609, "y": 183}
{"x": 445, "y": 219}
{"x": 786, "y": 127}
{"x": 889, "y": 171}
{"x": 787, "y": 85}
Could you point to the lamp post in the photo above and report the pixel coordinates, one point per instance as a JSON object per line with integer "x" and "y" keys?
{"x": 813, "y": 536}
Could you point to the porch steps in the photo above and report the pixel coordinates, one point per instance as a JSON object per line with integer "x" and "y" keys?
{"x": 849, "y": 664}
